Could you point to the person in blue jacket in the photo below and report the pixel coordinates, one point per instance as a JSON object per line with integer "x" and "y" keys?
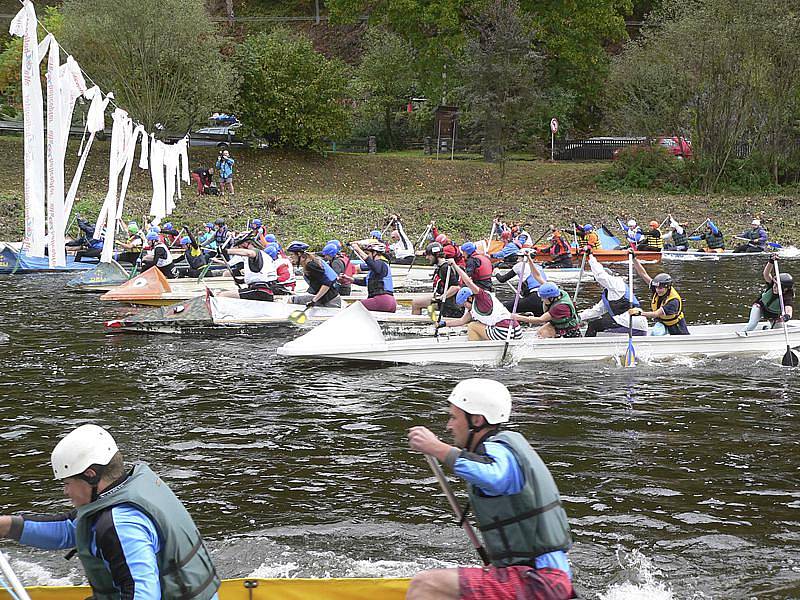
{"x": 135, "y": 539}
{"x": 225, "y": 169}
{"x": 755, "y": 238}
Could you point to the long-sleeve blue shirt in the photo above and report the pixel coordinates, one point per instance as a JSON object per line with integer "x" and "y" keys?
{"x": 508, "y": 250}
{"x": 496, "y": 472}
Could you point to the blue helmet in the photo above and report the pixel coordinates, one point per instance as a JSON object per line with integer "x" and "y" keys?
{"x": 152, "y": 236}
{"x": 330, "y": 250}
{"x": 155, "y": 228}
{"x": 376, "y": 234}
{"x": 296, "y": 246}
{"x": 185, "y": 241}
{"x": 548, "y": 290}
{"x": 209, "y": 226}
{"x": 168, "y": 226}
{"x": 270, "y": 238}
{"x": 272, "y": 250}
{"x": 468, "y": 248}
{"x": 255, "y": 223}
{"x": 522, "y": 238}
{"x": 336, "y": 243}
{"x": 588, "y": 227}
{"x": 463, "y": 295}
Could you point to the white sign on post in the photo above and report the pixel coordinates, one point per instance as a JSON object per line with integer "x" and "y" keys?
{"x": 553, "y": 131}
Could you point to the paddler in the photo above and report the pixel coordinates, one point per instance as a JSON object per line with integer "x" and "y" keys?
{"x": 768, "y": 304}
{"x": 478, "y": 266}
{"x": 508, "y": 253}
{"x": 532, "y": 277}
{"x": 560, "y": 252}
{"x": 445, "y": 285}
{"x": 513, "y": 497}
{"x": 221, "y": 233}
{"x": 284, "y": 269}
{"x": 755, "y": 238}
{"x": 484, "y": 315}
{"x": 666, "y": 303}
{"x": 133, "y": 536}
{"x": 260, "y": 275}
{"x": 195, "y": 257}
{"x": 401, "y": 248}
{"x": 633, "y": 233}
{"x": 319, "y": 276}
{"x": 652, "y": 239}
{"x": 378, "y": 281}
{"x": 560, "y": 319}
{"x": 712, "y": 236}
{"x": 341, "y": 265}
{"x": 133, "y": 245}
{"x": 611, "y": 313}
{"x": 159, "y": 256}
{"x": 676, "y": 240}
{"x": 207, "y": 238}
{"x": 587, "y": 236}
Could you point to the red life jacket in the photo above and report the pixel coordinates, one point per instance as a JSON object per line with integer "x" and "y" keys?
{"x": 483, "y": 271}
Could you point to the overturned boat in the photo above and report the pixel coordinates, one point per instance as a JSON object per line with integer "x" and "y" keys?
{"x": 14, "y": 261}
{"x": 356, "y": 335}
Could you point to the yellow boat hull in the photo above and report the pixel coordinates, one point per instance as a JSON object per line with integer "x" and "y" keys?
{"x": 265, "y": 589}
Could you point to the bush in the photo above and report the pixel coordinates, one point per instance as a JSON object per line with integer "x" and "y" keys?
{"x": 642, "y": 167}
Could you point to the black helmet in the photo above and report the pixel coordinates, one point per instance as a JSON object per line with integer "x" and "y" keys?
{"x": 663, "y": 279}
{"x": 787, "y": 281}
{"x": 219, "y": 222}
{"x": 433, "y": 249}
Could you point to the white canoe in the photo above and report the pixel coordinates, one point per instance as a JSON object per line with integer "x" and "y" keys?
{"x": 695, "y": 255}
{"x": 355, "y": 335}
{"x": 422, "y": 275}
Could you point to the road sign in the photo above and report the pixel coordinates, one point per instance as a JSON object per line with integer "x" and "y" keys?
{"x": 554, "y": 125}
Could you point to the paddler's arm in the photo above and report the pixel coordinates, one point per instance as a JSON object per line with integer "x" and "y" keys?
{"x": 545, "y": 318}
{"x": 769, "y": 268}
{"x": 249, "y": 252}
{"x": 642, "y": 273}
{"x": 47, "y": 532}
{"x": 535, "y": 271}
{"x": 465, "y": 279}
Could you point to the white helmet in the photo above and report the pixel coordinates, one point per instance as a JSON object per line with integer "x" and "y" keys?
{"x": 631, "y": 223}
{"x": 485, "y": 397}
{"x": 756, "y": 222}
{"x": 80, "y": 449}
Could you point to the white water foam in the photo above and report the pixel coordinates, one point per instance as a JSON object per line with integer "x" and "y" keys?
{"x": 789, "y": 252}
{"x": 31, "y": 573}
{"x": 642, "y": 579}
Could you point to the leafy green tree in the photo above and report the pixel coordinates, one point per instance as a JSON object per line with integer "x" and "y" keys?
{"x": 501, "y": 72}
{"x": 385, "y": 76}
{"x": 161, "y": 58}
{"x": 11, "y": 60}
{"x": 290, "y": 93}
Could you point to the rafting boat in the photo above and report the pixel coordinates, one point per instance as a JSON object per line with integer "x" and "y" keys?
{"x": 423, "y": 274}
{"x": 14, "y": 262}
{"x": 263, "y": 589}
{"x": 692, "y": 255}
{"x": 205, "y": 312}
{"x": 354, "y": 334}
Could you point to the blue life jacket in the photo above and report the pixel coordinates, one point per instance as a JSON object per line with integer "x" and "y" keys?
{"x": 619, "y": 306}
{"x": 329, "y": 272}
{"x": 96, "y": 244}
{"x": 384, "y": 285}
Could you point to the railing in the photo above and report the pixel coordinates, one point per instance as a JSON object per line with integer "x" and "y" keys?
{"x": 602, "y": 149}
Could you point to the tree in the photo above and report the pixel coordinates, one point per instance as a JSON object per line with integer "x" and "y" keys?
{"x": 161, "y": 58}
{"x": 385, "y": 76}
{"x": 501, "y": 72}
{"x": 290, "y": 93}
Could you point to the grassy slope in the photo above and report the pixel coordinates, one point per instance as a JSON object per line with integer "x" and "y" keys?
{"x": 316, "y": 198}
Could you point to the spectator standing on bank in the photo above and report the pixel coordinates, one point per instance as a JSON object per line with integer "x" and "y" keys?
{"x": 225, "y": 167}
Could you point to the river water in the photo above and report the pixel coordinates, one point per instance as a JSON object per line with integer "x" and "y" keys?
{"x": 680, "y": 478}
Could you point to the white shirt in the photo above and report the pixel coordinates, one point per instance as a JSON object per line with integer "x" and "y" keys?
{"x": 616, "y": 288}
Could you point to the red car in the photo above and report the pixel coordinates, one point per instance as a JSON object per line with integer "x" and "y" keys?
{"x": 679, "y": 146}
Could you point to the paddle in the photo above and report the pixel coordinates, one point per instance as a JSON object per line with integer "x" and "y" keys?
{"x": 773, "y": 245}
{"x": 790, "y": 359}
{"x": 630, "y": 353}
{"x": 421, "y": 240}
{"x": 432, "y": 311}
{"x": 17, "y": 590}
{"x": 698, "y": 228}
{"x": 299, "y": 317}
{"x": 580, "y": 276}
{"x": 511, "y": 321}
{"x": 451, "y": 499}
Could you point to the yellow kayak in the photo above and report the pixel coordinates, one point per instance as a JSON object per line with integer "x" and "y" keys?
{"x": 264, "y": 589}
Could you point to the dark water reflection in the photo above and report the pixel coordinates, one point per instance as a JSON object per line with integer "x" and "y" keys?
{"x": 680, "y": 479}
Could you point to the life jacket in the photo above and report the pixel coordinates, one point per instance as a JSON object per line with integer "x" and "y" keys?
{"x": 185, "y": 569}
{"x": 330, "y": 280}
{"x": 259, "y": 271}
{"x": 95, "y": 244}
{"x": 195, "y": 258}
{"x": 529, "y": 283}
{"x": 573, "y": 321}
{"x": 517, "y": 528}
{"x": 494, "y": 316}
{"x": 680, "y": 239}
{"x": 714, "y": 241}
{"x": 657, "y": 301}
{"x": 620, "y": 305}
{"x": 163, "y": 262}
{"x": 379, "y": 286}
{"x": 559, "y": 247}
{"x": 482, "y": 271}
{"x": 444, "y": 274}
{"x": 652, "y": 239}
{"x": 771, "y": 302}
{"x": 592, "y": 240}
{"x": 220, "y": 235}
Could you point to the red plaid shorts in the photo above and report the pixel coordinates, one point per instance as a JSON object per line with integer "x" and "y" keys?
{"x": 514, "y": 583}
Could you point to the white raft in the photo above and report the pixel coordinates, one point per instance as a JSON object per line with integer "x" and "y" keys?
{"x": 695, "y": 255}
{"x": 355, "y": 335}
{"x": 421, "y": 275}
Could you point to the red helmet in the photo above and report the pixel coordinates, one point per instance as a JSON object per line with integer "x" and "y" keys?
{"x": 506, "y": 236}
{"x": 450, "y": 251}
{"x": 654, "y": 224}
{"x": 442, "y": 239}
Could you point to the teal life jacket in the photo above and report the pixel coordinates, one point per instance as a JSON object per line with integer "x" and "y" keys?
{"x": 771, "y": 303}
{"x": 185, "y": 569}
{"x": 519, "y": 527}
{"x": 714, "y": 241}
{"x": 680, "y": 239}
{"x": 573, "y": 321}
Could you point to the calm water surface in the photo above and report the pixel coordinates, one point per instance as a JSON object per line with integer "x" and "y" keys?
{"x": 680, "y": 478}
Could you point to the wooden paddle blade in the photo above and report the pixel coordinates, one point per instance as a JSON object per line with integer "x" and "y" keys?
{"x": 298, "y": 317}
{"x": 432, "y": 313}
{"x": 790, "y": 359}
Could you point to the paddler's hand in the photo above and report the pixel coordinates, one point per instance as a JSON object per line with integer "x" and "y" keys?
{"x": 635, "y": 311}
{"x": 442, "y": 323}
{"x": 786, "y": 318}
{"x": 451, "y": 261}
{"x": 587, "y": 249}
{"x": 773, "y": 258}
{"x": 310, "y": 304}
{"x": 424, "y": 440}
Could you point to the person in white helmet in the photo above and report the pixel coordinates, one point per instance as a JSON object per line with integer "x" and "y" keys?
{"x": 755, "y": 238}
{"x": 633, "y": 233}
{"x": 513, "y": 497}
{"x": 128, "y": 528}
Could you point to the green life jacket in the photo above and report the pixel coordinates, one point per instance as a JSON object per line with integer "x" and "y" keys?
{"x": 184, "y": 565}
{"x": 519, "y": 527}
{"x": 567, "y": 323}
{"x": 771, "y": 302}
{"x": 680, "y": 239}
{"x": 714, "y": 241}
